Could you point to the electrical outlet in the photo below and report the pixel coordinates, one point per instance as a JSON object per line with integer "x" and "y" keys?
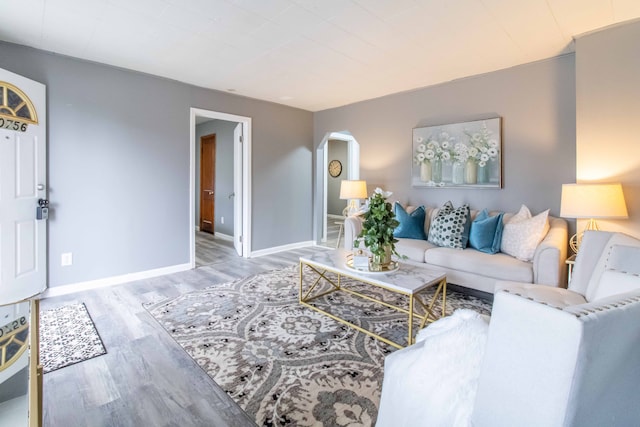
{"x": 66, "y": 259}
{"x": 221, "y": 220}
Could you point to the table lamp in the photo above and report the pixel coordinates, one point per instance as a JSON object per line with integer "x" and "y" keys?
{"x": 352, "y": 191}
{"x": 591, "y": 201}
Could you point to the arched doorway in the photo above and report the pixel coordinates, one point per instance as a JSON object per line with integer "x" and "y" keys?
{"x": 352, "y": 167}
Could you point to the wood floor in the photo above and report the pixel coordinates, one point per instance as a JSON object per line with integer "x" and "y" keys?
{"x": 333, "y": 230}
{"x": 146, "y": 379}
{"x": 208, "y": 246}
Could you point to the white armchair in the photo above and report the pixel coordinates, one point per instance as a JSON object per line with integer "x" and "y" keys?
{"x": 553, "y": 356}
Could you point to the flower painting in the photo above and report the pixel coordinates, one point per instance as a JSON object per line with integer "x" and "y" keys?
{"x": 462, "y": 155}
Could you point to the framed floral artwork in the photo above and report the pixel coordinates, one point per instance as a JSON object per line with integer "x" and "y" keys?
{"x": 461, "y": 155}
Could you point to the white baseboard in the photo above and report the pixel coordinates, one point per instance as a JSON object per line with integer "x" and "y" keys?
{"x": 111, "y": 281}
{"x": 223, "y": 236}
{"x": 276, "y": 249}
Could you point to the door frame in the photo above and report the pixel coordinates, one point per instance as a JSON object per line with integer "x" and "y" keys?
{"x": 246, "y": 178}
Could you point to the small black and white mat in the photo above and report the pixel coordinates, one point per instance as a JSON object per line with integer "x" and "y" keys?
{"x": 68, "y": 336}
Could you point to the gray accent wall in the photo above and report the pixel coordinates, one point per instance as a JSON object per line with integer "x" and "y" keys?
{"x": 608, "y": 108}
{"x": 118, "y": 166}
{"x": 224, "y": 173}
{"x": 537, "y": 104}
{"x": 338, "y": 150}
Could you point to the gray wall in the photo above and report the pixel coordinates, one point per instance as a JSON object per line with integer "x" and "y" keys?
{"x": 118, "y": 165}
{"x": 338, "y": 150}
{"x": 608, "y": 108}
{"x": 536, "y": 102}
{"x": 224, "y": 173}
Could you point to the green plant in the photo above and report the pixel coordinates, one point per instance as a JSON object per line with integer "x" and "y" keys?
{"x": 379, "y": 223}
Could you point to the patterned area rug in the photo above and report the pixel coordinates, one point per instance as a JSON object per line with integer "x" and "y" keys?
{"x": 68, "y": 336}
{"x": 285, "y": 364}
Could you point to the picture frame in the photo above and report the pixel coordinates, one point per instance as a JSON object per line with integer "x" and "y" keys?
{"x": 458, "y": 155}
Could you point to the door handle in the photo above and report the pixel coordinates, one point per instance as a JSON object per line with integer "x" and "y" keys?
{"x": 209, "y": 192}
{"x": 42, "y": 210}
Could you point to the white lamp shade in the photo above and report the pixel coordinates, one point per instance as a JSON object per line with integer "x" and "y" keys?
{"x": 593, "y": 201}
{"x": 353, "y": 189}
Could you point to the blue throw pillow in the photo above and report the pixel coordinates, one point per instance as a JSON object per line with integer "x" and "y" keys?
{"x": 486, "y": 232}
{"x": 411, "y": 225}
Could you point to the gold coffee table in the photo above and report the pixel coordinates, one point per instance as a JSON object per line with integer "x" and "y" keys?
{"x": 408, "y": 280}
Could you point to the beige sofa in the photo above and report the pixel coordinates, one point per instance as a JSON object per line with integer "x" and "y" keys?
{"x": 478, "y": 270}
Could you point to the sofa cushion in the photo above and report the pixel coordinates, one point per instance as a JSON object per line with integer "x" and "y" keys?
{"x": 413, "y": 249}
{"x": 499, "y": 266}
{"x": 596, "y": 255}
{"x": 411, "y": 224}
{"x": 523, "y": 233}
{"x": 624, "y": 258}
{"x": 615, "y": 282}
{"x": 486, "y": 232}
{"x": 450, "y": 227}
{"x": 622, "y": 272}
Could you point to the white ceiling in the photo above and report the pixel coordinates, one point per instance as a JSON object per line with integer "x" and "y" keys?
{"x": 311, "y": 54}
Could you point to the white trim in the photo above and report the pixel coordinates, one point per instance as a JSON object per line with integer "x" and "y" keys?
{"x": 192, "y": 188}
{"x": 111, "y": 281}
{"x": 353, "y": 157}
{"x": 237, "y": 187}
{"x": 223, "y": 236}
{"x": 276, "y": 249}
{"x": 246, "y": 177}
{"x": 325, "y": 200}
{"x": 246, "y": 183}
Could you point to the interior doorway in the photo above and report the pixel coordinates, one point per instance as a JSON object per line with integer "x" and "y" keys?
{"x": 237, "y": 193}
{"x": 328, "y": 226}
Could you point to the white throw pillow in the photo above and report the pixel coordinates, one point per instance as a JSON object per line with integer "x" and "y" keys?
{"x": 434, "y": 382}
{"x": 522, "y": 234}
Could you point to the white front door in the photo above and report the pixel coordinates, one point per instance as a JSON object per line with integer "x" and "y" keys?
{"x": 237, "y": 188}
{"x": 23, "y": 238}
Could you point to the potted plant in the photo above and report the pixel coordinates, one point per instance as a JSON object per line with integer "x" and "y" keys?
{"x": 377, "y": 230}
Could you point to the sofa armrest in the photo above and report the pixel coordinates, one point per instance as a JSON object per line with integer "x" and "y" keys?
{"x": 529, "y": 360}
{"x": 352, "y": 227}
{"x": 605, "y": 384}
{"x": 544, "y": 366}
{"x": 549, "y": 267}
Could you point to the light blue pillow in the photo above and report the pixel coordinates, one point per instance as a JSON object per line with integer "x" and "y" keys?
{"x": 486, "y": 232}
{"x": 411, "y": 225}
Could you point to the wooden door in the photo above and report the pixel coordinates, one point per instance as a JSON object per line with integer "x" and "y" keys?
{"x": 207, "y": 182}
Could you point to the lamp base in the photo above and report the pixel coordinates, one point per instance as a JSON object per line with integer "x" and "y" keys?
{"x": 574, "y": 242}
{"x": 351, "y": 209}
{"x": 576, "y": 239}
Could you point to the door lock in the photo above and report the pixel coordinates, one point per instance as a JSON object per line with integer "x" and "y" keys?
{"x": 42, "y": 211}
